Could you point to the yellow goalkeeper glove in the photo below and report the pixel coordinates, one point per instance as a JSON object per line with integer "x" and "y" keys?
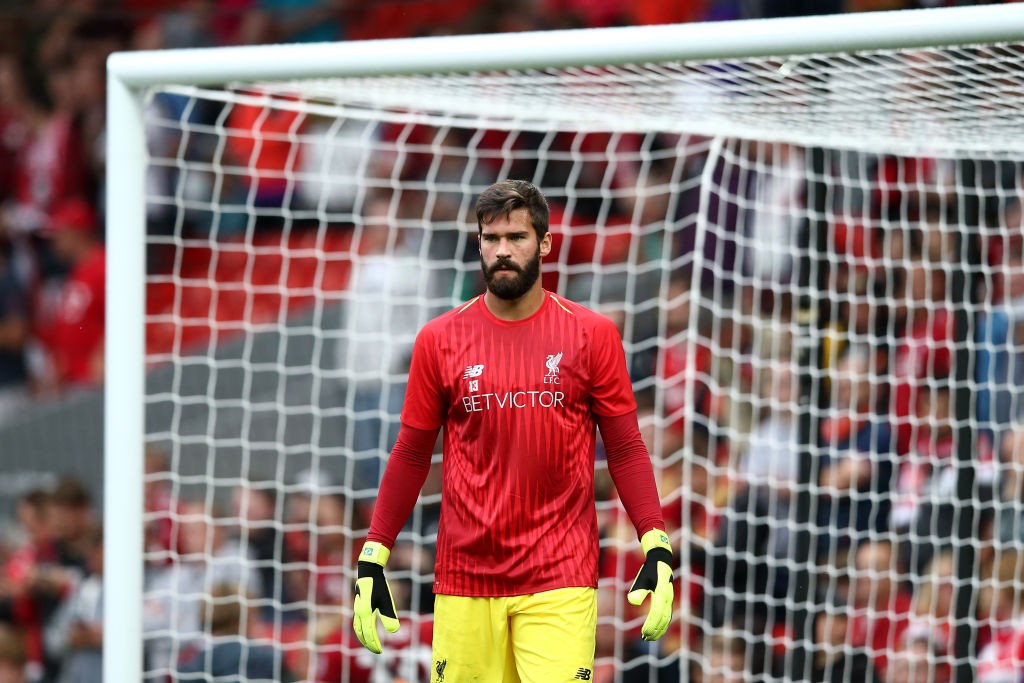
{"x": 373, "y": 597}
{"x": 654, "y": 579}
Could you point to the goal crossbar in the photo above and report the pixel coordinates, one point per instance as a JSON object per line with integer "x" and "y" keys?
{"x": 574, "y": 47}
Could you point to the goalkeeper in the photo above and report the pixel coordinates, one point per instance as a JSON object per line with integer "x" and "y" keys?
{"x": 519, "y": 379}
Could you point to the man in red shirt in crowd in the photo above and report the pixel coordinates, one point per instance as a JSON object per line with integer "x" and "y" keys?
{"x": 520, "y": 380}
{"x": 73, "y": 334}
{"x": 882, "y": 608}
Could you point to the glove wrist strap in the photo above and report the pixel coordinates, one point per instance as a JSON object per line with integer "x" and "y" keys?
{"x": 655, "y": 538}
{"x": 374, "y": 552}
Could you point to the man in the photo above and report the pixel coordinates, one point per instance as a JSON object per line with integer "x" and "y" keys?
{"x": 835, "y": 659}
{"x": 72, "y": 331}
{"x": 881, "y": 607}
{"x": 518, "y": 378}
{"x": 207, "y": 556}
{"x": 229, "y": 654}
{"x": 74, "y": 635}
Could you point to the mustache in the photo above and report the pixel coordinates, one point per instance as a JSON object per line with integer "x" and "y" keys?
{"x": 504, "y": 263}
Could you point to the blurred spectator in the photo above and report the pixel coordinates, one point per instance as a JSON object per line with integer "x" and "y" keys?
{"x": 856, "y": 471}
{"x": 1002, "y": 659}
{"x": 1000, "y": 361}
{"x": 227, "y": 654}
{"x": 917, "y": 660}
{"x": 13, "y": 331}
{"x": 13, "y": 659}
{"x": 382, "y": 314}
{"x": 771, "y": 224}
{"x": 50, "y": 164}
{"x": 35, "y": 579}
{"x": 331, "y": 551}
{"x": 926, "y": 318}
{"x": 924, "y": 468}
{"x": 932, "y": 617}
{"x": 74, "y": 636}
{"x": 865, "y": 315}
{"x": 159, "y": 504}
{"x": 320, "y": 580}
{"x": 207, "y": 556}
{"x": 881, "y": 606}
{"x": 71, "y": 328}
{"x": 61, "y": 559}
{"x": 318, "y": 543}
{"x": 13, "y": 130}
{"x": 74, "y": 523}
{"x": 262, "y": 142}
{"x": 835, "y": 660}
{"x": 188, "y": 25}
{"x": 684, "y": 365}
{"x": 300, "y": 513}
{"x": 753, "y": 541}
{"x": 292, "y": 21}
{"x": 13, "y": 281}
{"x": 330, "y": 160}
{"x": 734, "y": 657}
{"x": 925, "y": 507}
{"x": 255, "y": 507}
{"x": 74, "y": 44}
{"x": 1011, "y": 522}
{"x": 697, "y": 379}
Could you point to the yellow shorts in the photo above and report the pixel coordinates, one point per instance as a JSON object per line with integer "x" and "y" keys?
{"x": 540, "y": 638}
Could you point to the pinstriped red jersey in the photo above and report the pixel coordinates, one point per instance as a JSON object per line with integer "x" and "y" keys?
{"x": 516, "y": 400}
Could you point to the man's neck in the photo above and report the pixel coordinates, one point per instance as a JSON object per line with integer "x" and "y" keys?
{"x": 515, "y": 309}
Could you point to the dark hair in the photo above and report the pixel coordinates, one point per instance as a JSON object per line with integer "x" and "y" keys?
{"x": 71, "y": 492}
{"x": 504, "y": 197}
{"x": 36, "y": 498}
{"x": 222, "y": 611}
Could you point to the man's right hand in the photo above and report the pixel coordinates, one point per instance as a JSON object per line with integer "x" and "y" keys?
{"x": 373, "y": 597}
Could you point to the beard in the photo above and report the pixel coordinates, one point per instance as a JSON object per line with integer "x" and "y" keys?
{"x": 511, "y": 288}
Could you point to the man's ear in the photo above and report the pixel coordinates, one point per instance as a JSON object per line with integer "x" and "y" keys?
{"x": 545, "y": 244}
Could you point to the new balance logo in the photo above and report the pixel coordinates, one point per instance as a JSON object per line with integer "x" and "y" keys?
{"x": 552, "y": 365}
{"x": 582, "y": 675}
{"x": 473, "y": 371}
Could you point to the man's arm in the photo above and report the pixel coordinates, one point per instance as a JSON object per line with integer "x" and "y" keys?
{"x": 629, "y": 464}
{"x": 404, "y": 475}
{"x": 630, "y": 467}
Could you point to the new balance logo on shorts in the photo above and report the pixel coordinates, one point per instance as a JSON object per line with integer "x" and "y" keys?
{"x": 582, "y": 675}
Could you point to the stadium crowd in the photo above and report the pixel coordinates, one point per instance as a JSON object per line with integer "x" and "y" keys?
{"x": 888, "y": 434}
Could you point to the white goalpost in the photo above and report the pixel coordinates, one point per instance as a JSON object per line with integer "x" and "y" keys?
{"x": 808, "y": 230}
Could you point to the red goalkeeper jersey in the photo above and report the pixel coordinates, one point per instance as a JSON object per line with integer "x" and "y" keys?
{"x": 517, "y": 402}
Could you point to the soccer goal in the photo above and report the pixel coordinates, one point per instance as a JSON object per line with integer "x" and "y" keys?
{"x": 808, "y": 230}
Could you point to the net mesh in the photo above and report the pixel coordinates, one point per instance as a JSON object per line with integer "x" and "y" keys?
{"x": 815, "y": 263}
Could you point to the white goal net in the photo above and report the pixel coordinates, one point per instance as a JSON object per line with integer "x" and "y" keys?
{"x": 815, "y": 260}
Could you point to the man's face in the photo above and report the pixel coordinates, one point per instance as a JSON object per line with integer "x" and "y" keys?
{"x": 10, "y": 673}
{"x": 510, "y": 255}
